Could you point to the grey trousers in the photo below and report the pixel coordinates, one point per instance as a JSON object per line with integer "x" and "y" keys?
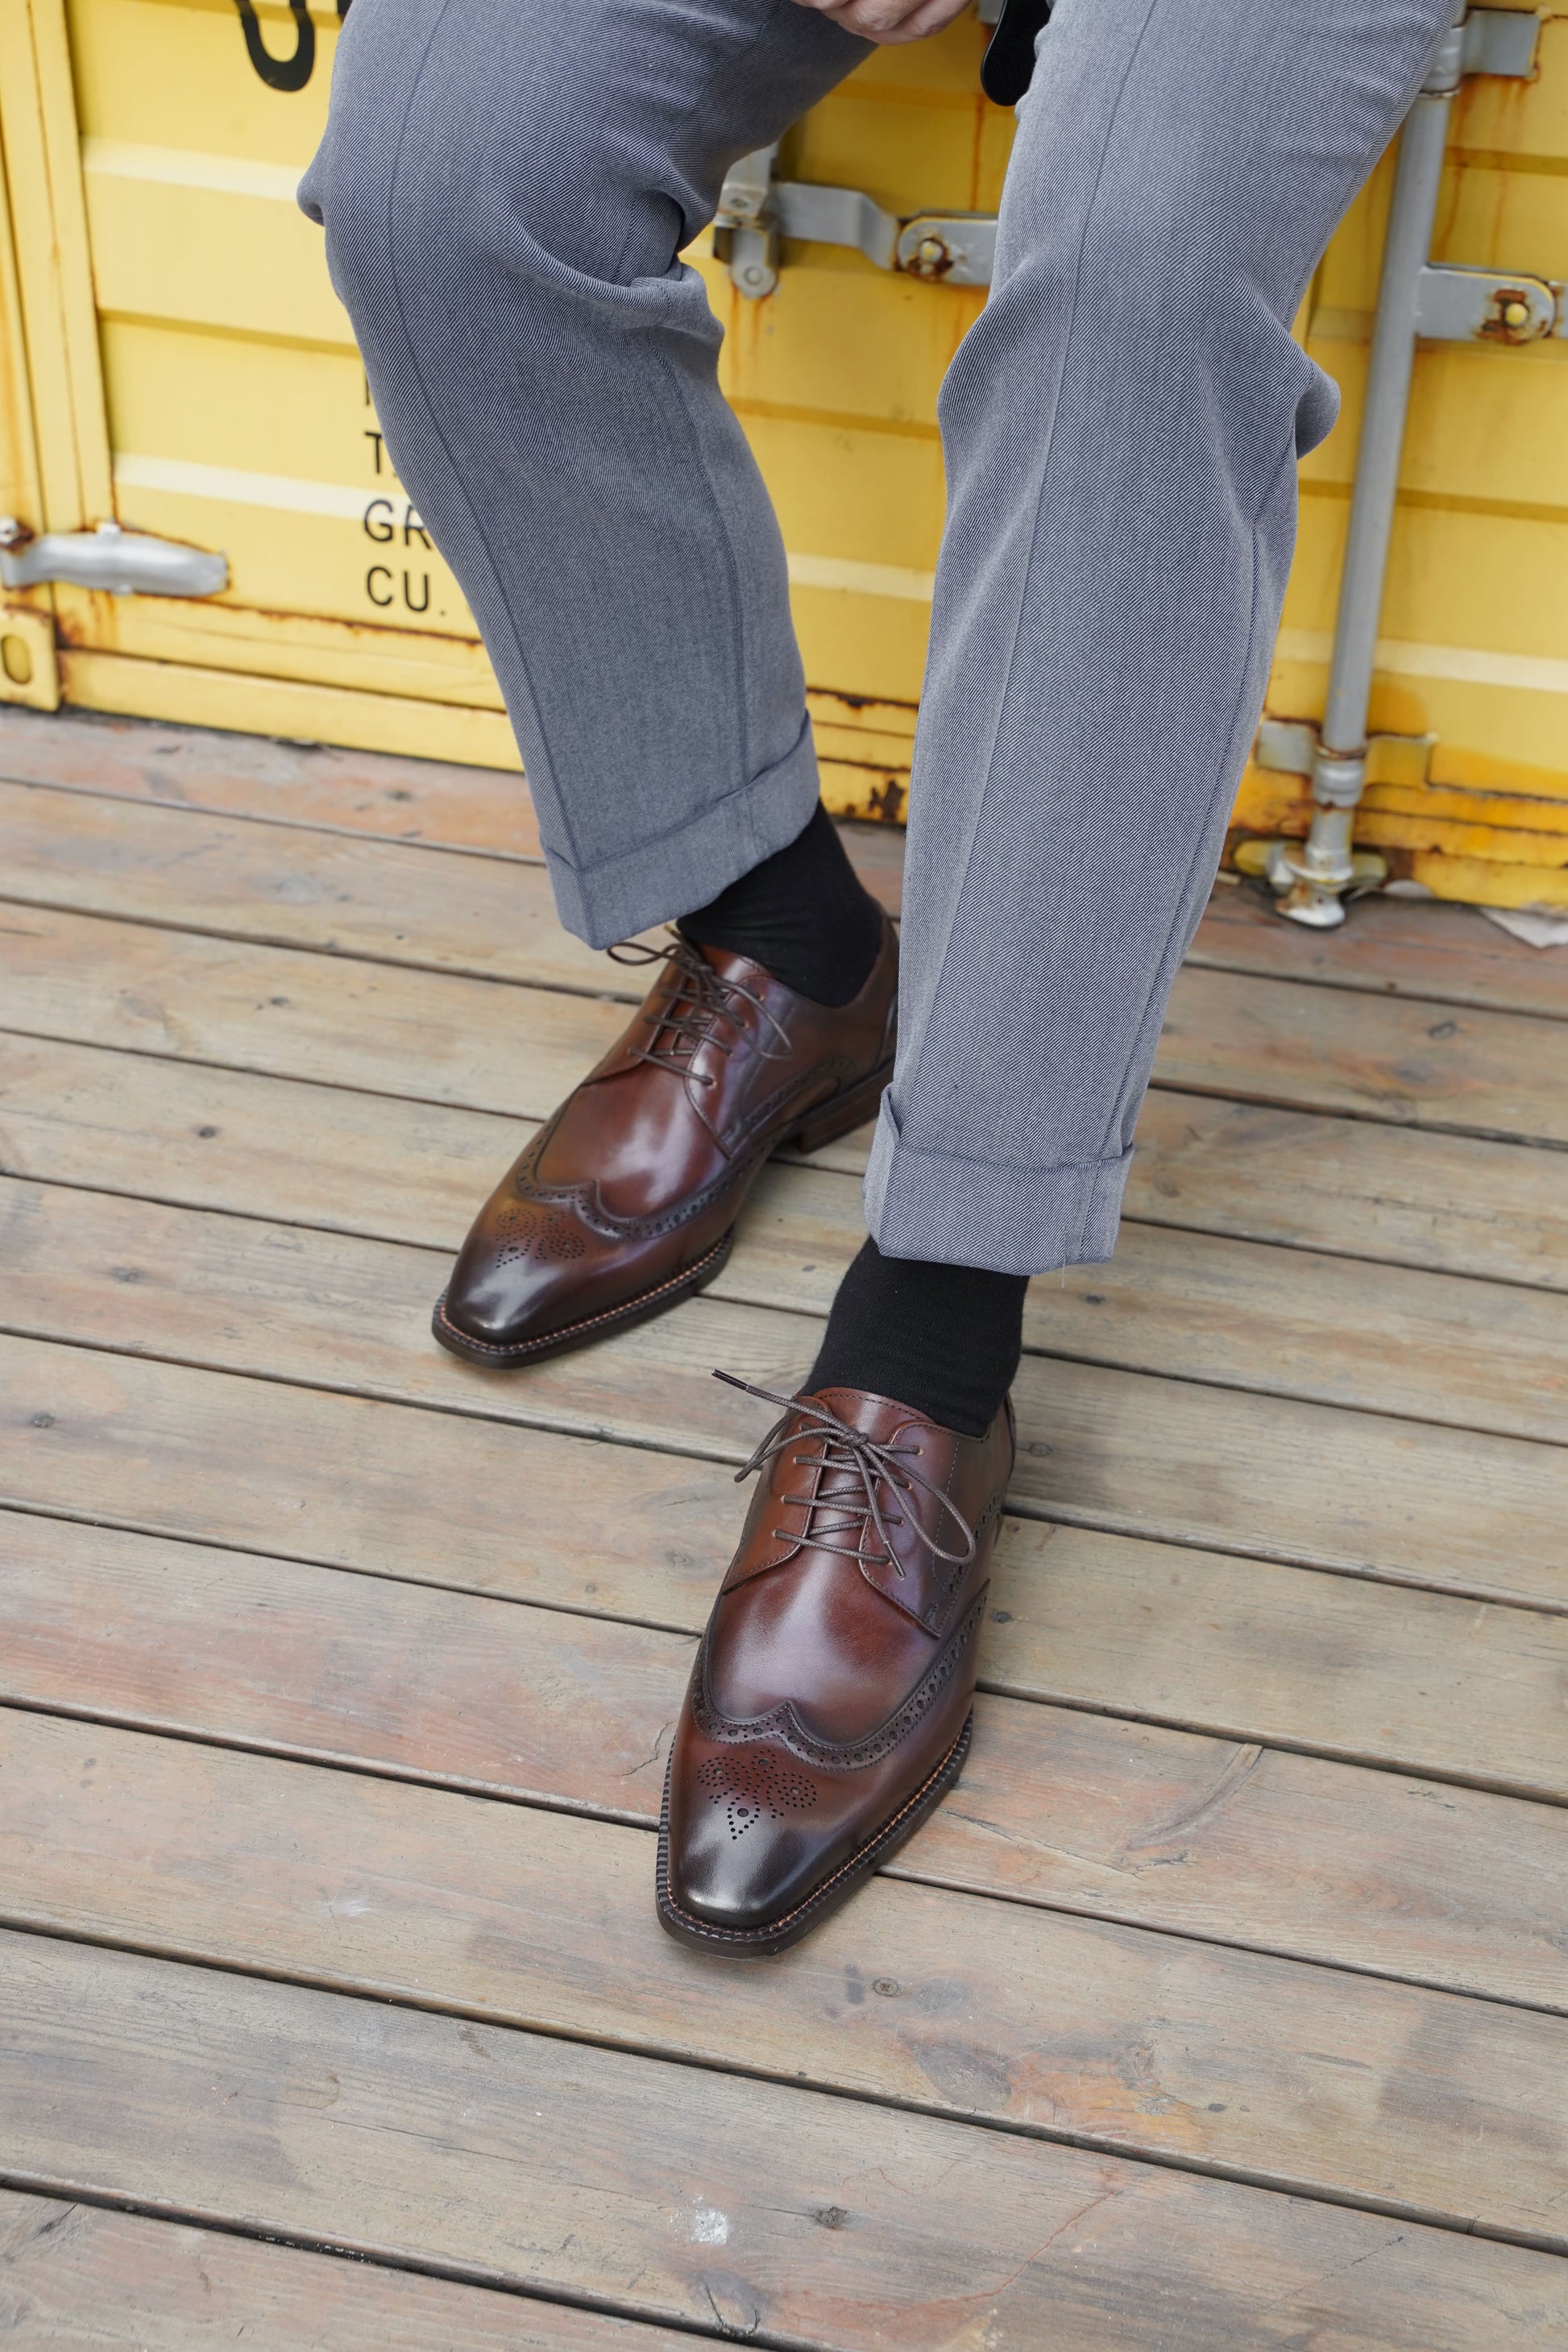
{"x": 505, "y": 186}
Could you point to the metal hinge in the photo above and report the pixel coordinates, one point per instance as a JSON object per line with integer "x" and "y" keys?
{"x": 124, "y": 563}
{"x": 1498, "y": 41}
{"x": 1293, "y": 747}
{"x": 1456, "y": 305}
{"x": 756, "y": 211}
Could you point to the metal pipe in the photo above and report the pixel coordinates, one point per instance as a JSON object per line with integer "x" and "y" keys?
{"x": 1315, "y": 877}
{"x": 1410, "y": 218}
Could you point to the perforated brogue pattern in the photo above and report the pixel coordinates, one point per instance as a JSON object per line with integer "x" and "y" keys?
{"x": 755, "y": 1786}
{"x": 528, "y": 1230}
{"x": 854, "y": 1754}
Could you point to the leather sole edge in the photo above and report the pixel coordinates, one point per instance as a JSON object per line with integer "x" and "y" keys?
{"x": 510, "y": 1356}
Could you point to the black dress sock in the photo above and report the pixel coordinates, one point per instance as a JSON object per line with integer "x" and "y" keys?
{"x": 802, "y": 914}
{"x": 943, "y": 1338}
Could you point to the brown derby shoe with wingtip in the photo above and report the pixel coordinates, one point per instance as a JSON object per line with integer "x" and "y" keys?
{"x": 830, "y": 1699}
{"x": 626, "y": 1199}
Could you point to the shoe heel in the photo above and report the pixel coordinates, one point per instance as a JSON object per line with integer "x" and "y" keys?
{"x": 842, "y": 1113}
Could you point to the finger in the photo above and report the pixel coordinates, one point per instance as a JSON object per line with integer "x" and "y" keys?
{"x": 888, "y": 21}
{"x": 873, "y": 20}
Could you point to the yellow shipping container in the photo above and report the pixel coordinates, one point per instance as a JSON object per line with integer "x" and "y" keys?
{"x": 172, "y": 359}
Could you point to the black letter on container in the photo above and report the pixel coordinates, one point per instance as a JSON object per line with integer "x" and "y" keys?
{"x": 407, "y": 597}
{"x": 379, "y": 526}
{"x": 378, "y": 571}
{"x": 280, "y": 73}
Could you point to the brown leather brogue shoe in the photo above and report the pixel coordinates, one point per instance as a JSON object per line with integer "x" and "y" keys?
{"x": 626, "y": 1199}
{"x": 830, "y": 1698}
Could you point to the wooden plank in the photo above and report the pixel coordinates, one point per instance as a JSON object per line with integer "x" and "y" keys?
{"x": 1211, "y": 1837}
{"x": 1467, "y": 1070}
{"x": 537, "y": 1704}
{"x": 1399, "y": 947}
{"x": 1134, "y": 2044}
{"x": 414, "y": 1171}
{"x": 432, "y": 1038}
{"x": 685, "y": 2196}
{"x": 304, "y": 1154}
{"x": 1237, "y": 1313}
{"x": 442, "y": 1036}
{"x": 1463, "y": 1071}
{"x": 85, "y": 2278}
{"x": 432, "y": 802}
{"x": 1450, "y": 1509}
{"x": 1289, "y": 1322}
{"x": 313, "y": 784}
{"x": 1454, "y": 1203}
{"x": 1445, "y": 953}
{"x": 289, "y": 885}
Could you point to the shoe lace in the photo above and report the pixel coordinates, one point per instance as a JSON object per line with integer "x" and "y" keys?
{"x": 883, "y": 1472}
{"x": 688, "y": 1015}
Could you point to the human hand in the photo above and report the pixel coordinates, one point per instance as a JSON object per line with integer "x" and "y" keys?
{"x": 886, "y": 21}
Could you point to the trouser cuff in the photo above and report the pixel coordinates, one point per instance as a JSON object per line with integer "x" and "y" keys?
{"x": 657, "y": 881}
{"x": 964, "y": 1211}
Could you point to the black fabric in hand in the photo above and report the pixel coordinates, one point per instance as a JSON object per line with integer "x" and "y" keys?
{"x": 1010, "y": 58}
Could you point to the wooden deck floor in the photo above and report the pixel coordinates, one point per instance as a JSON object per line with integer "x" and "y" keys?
{"x": 1221, "y": 2006}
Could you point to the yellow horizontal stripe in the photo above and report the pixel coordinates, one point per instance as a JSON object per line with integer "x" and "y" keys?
{"x": 861, "y": 579}
{"x": 1466, "y": 664}
{"x": 228, "y": 483}
{"x": 186, "y": 167}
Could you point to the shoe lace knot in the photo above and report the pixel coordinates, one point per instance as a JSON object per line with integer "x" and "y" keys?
{"x": 693, "y": 1008}
{"x": 862, "y": 1506}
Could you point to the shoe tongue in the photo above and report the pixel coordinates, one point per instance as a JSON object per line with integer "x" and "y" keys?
{"x": 912, "y": 1580}
{"x": 729, "y": 965}
{"x": 879, "y": 1418}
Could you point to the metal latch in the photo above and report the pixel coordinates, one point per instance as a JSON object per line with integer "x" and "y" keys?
{"x": 1484, "y": 306}
{"x": 124, "y": 563}
{"x": 757, "y": 211}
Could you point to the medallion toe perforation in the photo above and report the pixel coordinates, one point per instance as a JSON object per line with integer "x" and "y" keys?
{"x": 754, "y": 1786}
